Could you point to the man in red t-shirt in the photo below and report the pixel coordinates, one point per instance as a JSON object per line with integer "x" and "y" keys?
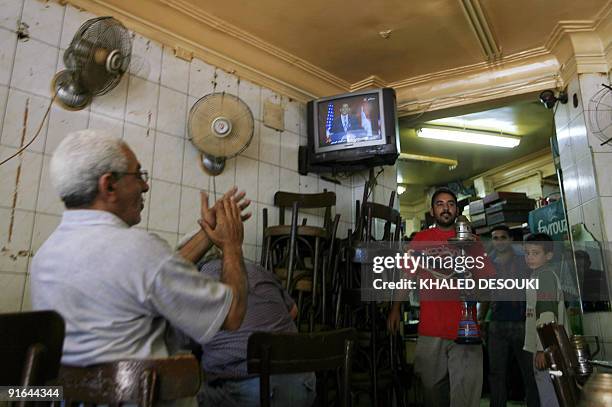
{"x": 451, "y": 373}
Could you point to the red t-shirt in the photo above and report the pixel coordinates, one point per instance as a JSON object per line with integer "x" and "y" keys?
{"x": 440, "y": 318}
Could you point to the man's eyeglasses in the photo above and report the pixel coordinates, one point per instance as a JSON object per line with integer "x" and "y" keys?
{"x": 142, "y": 174}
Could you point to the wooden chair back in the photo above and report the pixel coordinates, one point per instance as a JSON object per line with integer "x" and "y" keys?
{"x": 141, "y": 381}
{"x": 30, "y": 347}
{"x": 284, "y": 353}
{"x": 372, "y": 211}
{"x": 285, "y": 200}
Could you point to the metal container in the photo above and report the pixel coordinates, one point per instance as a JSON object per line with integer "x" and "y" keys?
{"x": 463, "y": 229}
{"x": 597, "y": 392}
{"x": 583, "y": 353}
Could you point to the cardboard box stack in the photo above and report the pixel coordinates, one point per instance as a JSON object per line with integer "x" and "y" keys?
{"x": 509, "y": 208}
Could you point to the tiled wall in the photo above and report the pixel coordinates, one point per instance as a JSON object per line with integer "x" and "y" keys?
{"x": 587, "y": 167}
{"x": 148, "y": 109}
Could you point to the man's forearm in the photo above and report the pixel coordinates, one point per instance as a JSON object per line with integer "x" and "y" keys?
{"x": 196, "y": 247}
{"x": 234, "y": 275}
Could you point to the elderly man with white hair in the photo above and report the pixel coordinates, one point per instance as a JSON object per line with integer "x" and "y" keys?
{"x": 118, "y": 287}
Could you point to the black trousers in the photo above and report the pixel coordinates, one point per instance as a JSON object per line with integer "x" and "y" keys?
{"x": 506, "y": 339}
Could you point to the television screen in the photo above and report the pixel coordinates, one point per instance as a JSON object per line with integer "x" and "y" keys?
{"x": 351, "y": 132}
{"x": 349, "y": 121}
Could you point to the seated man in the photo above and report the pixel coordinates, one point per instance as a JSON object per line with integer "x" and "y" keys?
{"x": 116, "y": 286}
{"x": 271, "y": 309}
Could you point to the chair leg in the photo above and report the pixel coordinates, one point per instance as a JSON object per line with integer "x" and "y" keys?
{"x": 300, "y": 306}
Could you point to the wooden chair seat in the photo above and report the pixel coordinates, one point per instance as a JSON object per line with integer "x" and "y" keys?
{"x": 141, "y": 381}
{"x": 284, "y": 353}
{"x": 30, "y": 347}
{"x": 305, "y": 231}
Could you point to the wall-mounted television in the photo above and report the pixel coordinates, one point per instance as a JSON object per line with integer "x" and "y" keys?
{"x": 351, "y": 131}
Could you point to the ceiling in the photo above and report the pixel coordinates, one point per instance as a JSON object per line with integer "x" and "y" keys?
{"x": 436, "y": 55}
{"x": 426, "y": 36}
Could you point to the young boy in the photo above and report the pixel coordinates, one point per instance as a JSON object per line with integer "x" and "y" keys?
{"x": 543, "y": 305}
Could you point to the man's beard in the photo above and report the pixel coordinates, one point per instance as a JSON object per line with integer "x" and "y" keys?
{"x": 441, "y": 222}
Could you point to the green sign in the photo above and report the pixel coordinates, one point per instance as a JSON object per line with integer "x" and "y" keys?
{"x": 549, "y": 219}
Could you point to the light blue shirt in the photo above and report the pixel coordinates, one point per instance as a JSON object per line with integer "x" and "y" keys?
{"x": 117, "y": 287}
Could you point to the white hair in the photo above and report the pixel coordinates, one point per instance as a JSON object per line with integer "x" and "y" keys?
{"x": 80, "y": 160}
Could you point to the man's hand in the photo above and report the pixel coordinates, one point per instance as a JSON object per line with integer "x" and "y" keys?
{"x": 228, "y": 231}
{"x": 393, "y": 320}
{"x": 540, "y": 361}
{"x": 208, "y": 215}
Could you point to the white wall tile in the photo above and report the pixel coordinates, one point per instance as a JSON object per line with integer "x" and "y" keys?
{"x": 142, "y": 142}
{"x": 326, "y": 185}
{"x": 174, "y": 71}
{"x": 574, "y": 88}
{"x": 113, "y": 103}
{"x": 168, "y": 158}
{"x": 8, "y": 42}
{"x": 578, "y": 134}
{"x": 44, "y": 225}
{"x": 146, "y": 58}
{"x": 61, "y": 123}
{"x": 269, "y": 183}
{"x": 564, "y": 141}
{"x": 251, "y": 95}
{"x": 108, "y": 124}
{"x": 570, "y": 187}
{"x": 575, "y": 216}
{"x": 164, "y": 208}
{"x": 171, "y": 238}
{"x": 247, "y": 176}
{"x": 308, "y": 184}
{"x": 12, "y": 131}
{"x": 201, "y": 76}
{"x": 190, "y": 209}
{"x": 344, "y": 203}
{"x": 252, "y": 151}
{"x": 142, "y": 102}
{"x": 289, "y": 150}
{"x": 172, "y": 112}
{"x": 289, "y": 181}
{"x": 268, "y": 95}
{"x": 11, "y": 292}
{"x": 26, "y": 302}
{"x": 606, "y": 205}
{"x": 269, "y": 145}
{"x": 592, "y": 218}
{"x": 292, "y": 117}
{"x": 10, "y": 12}
{"x": 250, "y": 227}
{"x": 603, "y": 169}
{"x": 3, "y": 100}
{"x": 34, "y": 77}
{"x": 562, "y": 115}
{"x": 48, "y": 198}
{"x": 193, "y": 172}
{"x": 44, "y": 20}
{"x": 225, "y": 82}
{"x": 250, "y": 252}
{"x": 590, "y": 84}
{"x": 73, "y": 19}
{"x": 15, "y": 240}
{"x": 586, "y": 178}
{"x": 590, "y": 323}
{"x": 27, "y": 187}
{"x": 226, "y": 180}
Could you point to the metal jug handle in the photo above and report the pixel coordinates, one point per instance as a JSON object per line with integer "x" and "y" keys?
{"x": 596, "y": 344}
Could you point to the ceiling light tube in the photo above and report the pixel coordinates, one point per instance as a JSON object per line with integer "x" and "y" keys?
{"x": 469, "y": 136}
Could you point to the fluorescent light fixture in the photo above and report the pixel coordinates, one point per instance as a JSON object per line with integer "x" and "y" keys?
{"x": 428, "y": 158}
{"x": 469, "y": 136}
{"x": 401, "y": 189}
